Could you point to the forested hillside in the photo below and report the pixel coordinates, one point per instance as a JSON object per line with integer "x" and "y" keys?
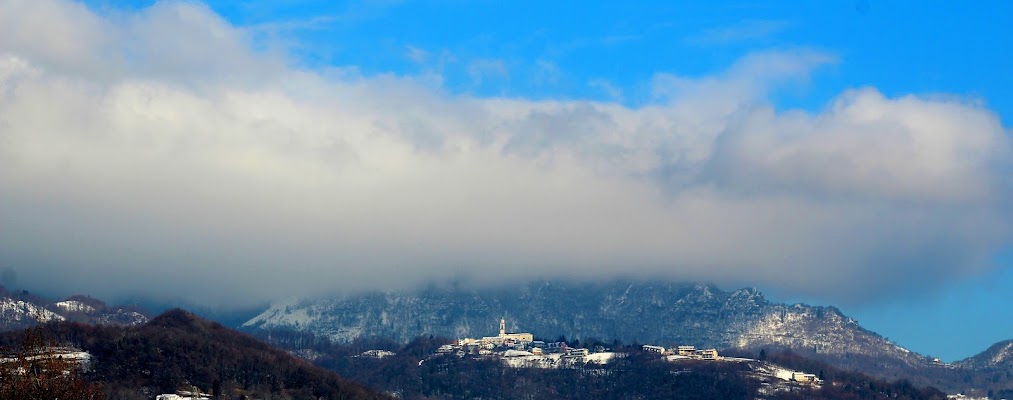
{"x": 179, "y": 350}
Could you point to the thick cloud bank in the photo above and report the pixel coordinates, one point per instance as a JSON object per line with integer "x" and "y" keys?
{"x": 157, "y": 152}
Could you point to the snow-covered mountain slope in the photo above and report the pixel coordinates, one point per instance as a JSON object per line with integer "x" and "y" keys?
{"x": 19, "y": 310}
{"x": 826, "y": 333}
{"x": 74, "y": 306}
{"x": 998, "y": 356}
{"x": 647, "y": 312}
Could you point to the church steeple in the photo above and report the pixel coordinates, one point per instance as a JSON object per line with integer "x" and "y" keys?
{"x": 502, "y": 327}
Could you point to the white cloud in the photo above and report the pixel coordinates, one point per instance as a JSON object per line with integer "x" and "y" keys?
{"x": 159, "y": 174}
{"x": 56, "y": 33}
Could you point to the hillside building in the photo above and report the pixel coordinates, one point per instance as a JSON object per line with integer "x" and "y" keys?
{"x": 504, "y": 338}
{"x": 517, "y": 337}
{"x": 687, "y": 351}
{"x": 801, "y": 377}
{"x": 654, "y": 349}
{"x": 708, "y": 354}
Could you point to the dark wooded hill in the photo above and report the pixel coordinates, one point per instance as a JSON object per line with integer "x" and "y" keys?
{"x": 178, "y": 350}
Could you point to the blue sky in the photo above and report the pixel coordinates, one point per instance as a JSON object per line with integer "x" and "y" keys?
{"x": 559, "y": 49}
{"x": 568, "y": 49}
{"x": 858, "y": 147}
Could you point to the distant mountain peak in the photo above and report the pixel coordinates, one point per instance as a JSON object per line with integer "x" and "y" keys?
{"x": 21, "y": 309}
{"x": 175, "y": 316}
{"x": 88, "y": 301}
{"x": 179, "y": 318}
{"x": 999, "y": 355}
{"x": 657, "y": 312}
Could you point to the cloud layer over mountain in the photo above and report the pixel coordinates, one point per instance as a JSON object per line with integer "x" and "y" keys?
{"x": 163, "y": 152}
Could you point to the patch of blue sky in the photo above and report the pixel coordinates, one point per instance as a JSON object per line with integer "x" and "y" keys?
{"x": 957, "y": 321}
{"x": 610, "y": 51}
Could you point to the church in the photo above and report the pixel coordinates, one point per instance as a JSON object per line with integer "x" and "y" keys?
{"x": 503, "y": 338}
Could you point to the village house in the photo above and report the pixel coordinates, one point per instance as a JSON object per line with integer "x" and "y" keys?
{"x": 687, "y": 351}
{"x": 654, "y": 349}
{"x": 708, "y": 354}
{"x": 801, "y": 377}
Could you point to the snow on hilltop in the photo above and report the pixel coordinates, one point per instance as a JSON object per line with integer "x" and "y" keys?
{"x": 288, "y": 313}
{"x": 20, "y": 311}
{"x": 655, "y": 312}
{"x": 74, "y": 306}
{"x": 999, "y": 355}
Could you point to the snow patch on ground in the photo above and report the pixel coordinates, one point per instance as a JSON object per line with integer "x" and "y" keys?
{"x": 600, "y": 358}
{"x": 377, "y": 354}
{"x": 524, "y": 359}
{"x": 283, "y": 314}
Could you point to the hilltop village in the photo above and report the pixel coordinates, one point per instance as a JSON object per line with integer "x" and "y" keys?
{"x": 521, "y": 350}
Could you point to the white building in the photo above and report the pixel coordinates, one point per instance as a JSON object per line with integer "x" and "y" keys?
{"x": 654, "y": 349}
{"x": 708, "y": 354}
{"x": 687, "y": 351}
{"x": 802, "y": 377}
{"x": 445, "y": 349}
{"x": 502, "y": 338}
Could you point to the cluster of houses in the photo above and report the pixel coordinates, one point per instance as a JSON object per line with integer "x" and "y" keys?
{"x": 692, "y": 353}
{"x": 508, "y": 344}
{"x": 522, "y": 350}
{"x": 684, "y": 352}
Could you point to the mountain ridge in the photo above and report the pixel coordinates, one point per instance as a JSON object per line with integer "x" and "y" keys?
{"x": 22, "y": 309}
{"x": 998, "y": 355}
{"x": 665, "y": 313}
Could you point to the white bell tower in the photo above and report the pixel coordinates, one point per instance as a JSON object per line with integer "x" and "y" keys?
{"x": 502, "y": 327}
